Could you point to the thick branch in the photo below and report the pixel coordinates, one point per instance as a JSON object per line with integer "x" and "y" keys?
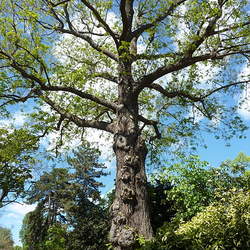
{"x": 173, "y": 94}
{"x": 106, "y": 76}
{"x": 183, "y": 63}
{"x": 16, "y": 98}
{"x": 77, "y": 92}
{"x": 155, "y": 56}
{"x": 231, "y": 27}
{"x": 59, "y": 3}
{"x": 127, "y": 13}
{"x": 90, "y": 41}
{"x": 191, "y": 97}
{"x": 152, "y": 123}
{"x": 84, "y": 95}
{"x": 108, "y": 127}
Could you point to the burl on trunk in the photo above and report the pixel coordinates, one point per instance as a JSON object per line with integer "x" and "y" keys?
{"x": 130, "y": 211}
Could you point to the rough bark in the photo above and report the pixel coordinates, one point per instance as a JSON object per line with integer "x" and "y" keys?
{"x": 130, "y": 211}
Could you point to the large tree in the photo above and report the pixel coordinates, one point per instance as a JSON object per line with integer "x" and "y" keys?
{"x": 136, "y": 69}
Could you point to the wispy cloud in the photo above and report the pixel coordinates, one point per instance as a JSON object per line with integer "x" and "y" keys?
{"x": 19, "y": 209}
{"x": 244, "y": 99}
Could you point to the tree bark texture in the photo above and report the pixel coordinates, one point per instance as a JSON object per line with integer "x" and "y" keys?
{"x": 130, "y": 209}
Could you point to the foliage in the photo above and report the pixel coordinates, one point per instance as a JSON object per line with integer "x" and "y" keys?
{"x": 31, "y": 234}
{"x": 212, "y": 206}
{"x": 18, "y": 248}
{"x": 72, "y": 59}
{"x": 196, "y": 184}
{"x": 16, "y": 148}
{"x": 161, "y": 209}
{"x": 56, "y": 238}
{"x": 222, "y": 225}
{"x": 6, "y": 241}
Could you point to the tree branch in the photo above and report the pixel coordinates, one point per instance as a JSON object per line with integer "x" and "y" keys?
{"x": 127, "y": 13}
{"x": 155, "y": 56}
{"x": 231, "y": 27}
{"x": 59, "y": 3}
{"x": 75, "y": 91}
{"x": 90, "y": 41}
{"x": 183, "y": 63}
{"x": 108, "y": 127}
{"x": 160, "y": 18}
{"x": 191, "y": 97}
{"x": 101, "y": 21}
{"x": 82, "y": 94}
{"x": 152, "y": 123}
{"x": 173, "y": 94}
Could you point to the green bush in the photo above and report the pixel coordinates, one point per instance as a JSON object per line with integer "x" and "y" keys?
{"x": 223, "y": 225}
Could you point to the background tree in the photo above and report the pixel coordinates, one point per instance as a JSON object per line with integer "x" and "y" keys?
{"x": 16, "y": 161}
{"x": 196, "y": 184}
{"x": 34, "y": 229}
{"x": 162, "y": 209}
{"x": 111, "y": 77}
{"x": 6, "y": 241}
{"x": 210, "y": 205}
{"x": 68, "y": 212}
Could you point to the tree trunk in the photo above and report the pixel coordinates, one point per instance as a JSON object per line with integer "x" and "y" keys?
{"x": 130, "y": 209}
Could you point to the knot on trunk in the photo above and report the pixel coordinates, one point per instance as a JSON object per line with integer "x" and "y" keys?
{"x": 121, "y": 142}
{"x": 125, "y": 175}
{"x": 119, "y": 219}
{"x": 123, "y": 238}
{"x": 132, "y": 160}
{"x": 114, "y": 207}
{"x": 127, "y": 237}
{"x": 128, "y": 194}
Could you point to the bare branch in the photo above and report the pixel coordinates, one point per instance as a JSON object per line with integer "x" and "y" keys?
{"x": 225, "y": 87}
{"x": 16, "y": 98}
{"x": 106, "y": 76}
{"x": 59, "y": 3}
{"x": 152, "y": 123}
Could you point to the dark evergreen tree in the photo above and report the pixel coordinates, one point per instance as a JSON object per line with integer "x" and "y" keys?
{"x": 68, "y": 198}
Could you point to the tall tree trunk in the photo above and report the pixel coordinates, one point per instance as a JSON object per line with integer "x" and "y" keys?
{"x": 130, "y": 211}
